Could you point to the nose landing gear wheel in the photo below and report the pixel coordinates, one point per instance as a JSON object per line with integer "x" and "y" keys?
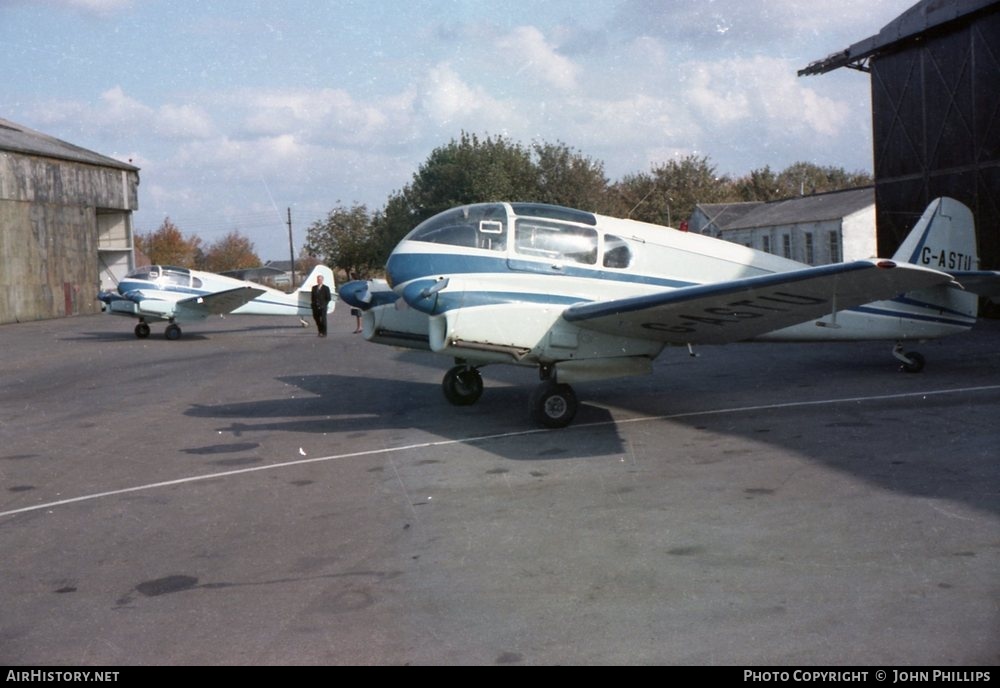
{"x": 462, "y": 385}
{"x": 142, "y": 330}
{"x": 553, "y": 405}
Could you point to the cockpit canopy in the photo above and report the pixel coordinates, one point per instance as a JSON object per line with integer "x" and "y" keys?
{"x": 165, "y": 275}
{"x": 531, "y": 230}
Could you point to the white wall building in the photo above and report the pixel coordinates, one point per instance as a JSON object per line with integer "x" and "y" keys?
{"x": 819, "y": 229}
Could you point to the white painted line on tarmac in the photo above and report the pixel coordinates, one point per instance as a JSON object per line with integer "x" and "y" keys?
{"x": 497, "y": 436}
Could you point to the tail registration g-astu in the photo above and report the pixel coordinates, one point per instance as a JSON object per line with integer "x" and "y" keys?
{"x": 581, "y": 296}
{"x": 163, "y": 293}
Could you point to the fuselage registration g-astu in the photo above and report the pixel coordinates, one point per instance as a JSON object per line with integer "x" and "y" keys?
{"x": 582, "y": 296}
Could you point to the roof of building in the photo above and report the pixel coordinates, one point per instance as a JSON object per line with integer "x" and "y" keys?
{"x": 20, "y": 139}
{"x": 925, "y": 16}
{"x": 792, "y": 211}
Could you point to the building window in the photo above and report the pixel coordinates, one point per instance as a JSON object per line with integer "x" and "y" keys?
{"x": 835, "y": 256}
{"x": 765, "y": 244}
{"x": 810, "y": 254}
{"x": 786, "y": 244}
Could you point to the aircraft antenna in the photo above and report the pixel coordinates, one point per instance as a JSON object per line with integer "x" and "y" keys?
{"x": 291, "y": 247}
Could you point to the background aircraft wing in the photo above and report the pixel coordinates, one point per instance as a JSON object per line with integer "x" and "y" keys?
{"x": 742, "y": 309}
{"x": 219, "y": 303}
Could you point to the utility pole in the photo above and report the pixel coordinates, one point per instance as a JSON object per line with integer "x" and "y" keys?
{"x": 291, "y": 248}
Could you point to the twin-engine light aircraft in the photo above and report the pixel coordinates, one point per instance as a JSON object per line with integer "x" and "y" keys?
{"x": 584, "y": 297}
{"x": 160, "y": 292}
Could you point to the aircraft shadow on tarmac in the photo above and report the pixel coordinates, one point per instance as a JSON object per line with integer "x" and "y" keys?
{"x": 192, "y": 333}
{"x": 881, "y": 442}
{"x": 358, "y": 405}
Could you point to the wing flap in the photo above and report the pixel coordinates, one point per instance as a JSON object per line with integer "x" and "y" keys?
{"x": 742, "y": 309}
{"x": 219, "y": 303}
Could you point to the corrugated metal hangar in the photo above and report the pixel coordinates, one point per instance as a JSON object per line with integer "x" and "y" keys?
{"x": 65, "y": 225}
{"x": 935, "y": 79}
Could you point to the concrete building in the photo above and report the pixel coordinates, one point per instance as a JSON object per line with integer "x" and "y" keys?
{"x": 819, "y": 229}
{"x": 935, "y": 81}
{"x": 65, "y": 225}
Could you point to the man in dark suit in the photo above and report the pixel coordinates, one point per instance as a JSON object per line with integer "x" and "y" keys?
{"x": 320, "y": 301}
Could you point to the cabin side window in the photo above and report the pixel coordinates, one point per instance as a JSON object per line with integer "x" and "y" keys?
{"x": 617, "y": 253}
{"x": 176, "y": 277}
{"x": 555, "y": 241}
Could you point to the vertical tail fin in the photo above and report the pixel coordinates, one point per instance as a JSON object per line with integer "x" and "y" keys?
{"x": 318, "y": 271}
{"x": 944, "y": 238}
{"x": 305, "y": 291}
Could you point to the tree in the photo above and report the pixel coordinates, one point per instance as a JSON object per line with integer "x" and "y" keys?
{"x": 472, "y": 170}
{"x": 806, "y": 178}
{"x": 231, "y": 252}
{"x": 759, "y": 185}
{"x": 167, "y": 246}
{"x": 668, "y": 194}
{"x": 344, "y": 239}
{"x": 567, "y": 177}
{"x": 390, "y": 224}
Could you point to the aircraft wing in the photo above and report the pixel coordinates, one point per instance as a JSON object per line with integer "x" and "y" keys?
{"x": 218, "y": 303}
{"x": 742, "y": 309}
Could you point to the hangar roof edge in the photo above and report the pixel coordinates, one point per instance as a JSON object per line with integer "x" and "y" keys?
{"x": 16, "y": 138}
{"x": 919, "y": 19}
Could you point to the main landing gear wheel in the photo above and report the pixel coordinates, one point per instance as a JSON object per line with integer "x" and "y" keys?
{"x": 915, "y": 364}
{"x": 912, "y": 361}
{"x": 173, "y": 332}
{"x": 142, "y": 330}
{"x": 462, "y": 385}
{"x": 553, "y": 405}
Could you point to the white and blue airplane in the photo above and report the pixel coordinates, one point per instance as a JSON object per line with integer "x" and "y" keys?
{"x": 582, "y": 296}
{"x": 172, "y": 294}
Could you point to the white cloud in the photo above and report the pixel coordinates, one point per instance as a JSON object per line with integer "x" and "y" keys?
{"x": 526, "y": 49}
{"x": 762, "y": 93}
{"x": 95, "y": 6}
{"x": 445, "y": 103}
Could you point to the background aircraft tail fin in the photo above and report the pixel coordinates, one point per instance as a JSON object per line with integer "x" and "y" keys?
{"x": 319, "y": 270}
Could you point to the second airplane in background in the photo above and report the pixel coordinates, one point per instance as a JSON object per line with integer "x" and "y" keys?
{"x": 164, "y": 293}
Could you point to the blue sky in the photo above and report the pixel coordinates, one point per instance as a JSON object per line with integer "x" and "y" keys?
{"x": 235, "y": 110}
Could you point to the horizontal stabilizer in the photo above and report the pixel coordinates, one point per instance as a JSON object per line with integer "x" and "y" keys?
{"x": 742, "y": 309}
{"x": 981, "y": 282}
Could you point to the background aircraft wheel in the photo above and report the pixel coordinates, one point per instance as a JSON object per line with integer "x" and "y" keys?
{"x": 142, "y": 330}
{"x": 462, "y": 386}
{"x": 173, "y": 332}
{"x": 553, "y": 405}
{"x": 916, "y": 363}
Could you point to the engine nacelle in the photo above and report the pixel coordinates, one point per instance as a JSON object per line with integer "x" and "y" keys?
{"x": 394, "y": 326}
{"x": 518, "y": 333}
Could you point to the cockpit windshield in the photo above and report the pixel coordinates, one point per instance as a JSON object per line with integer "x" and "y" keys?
{"x": 548, "y": 232}
{"x": 473, "y": 226}
{"x": 180, "y": 277}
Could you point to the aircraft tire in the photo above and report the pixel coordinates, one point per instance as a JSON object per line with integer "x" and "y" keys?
{"x": 553, "y": 405}
{"x": 916, "y": 363}
{"x": 173, "y": 332}
{"x": 462, "y": 386}
{"x": 142, "y": 330}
